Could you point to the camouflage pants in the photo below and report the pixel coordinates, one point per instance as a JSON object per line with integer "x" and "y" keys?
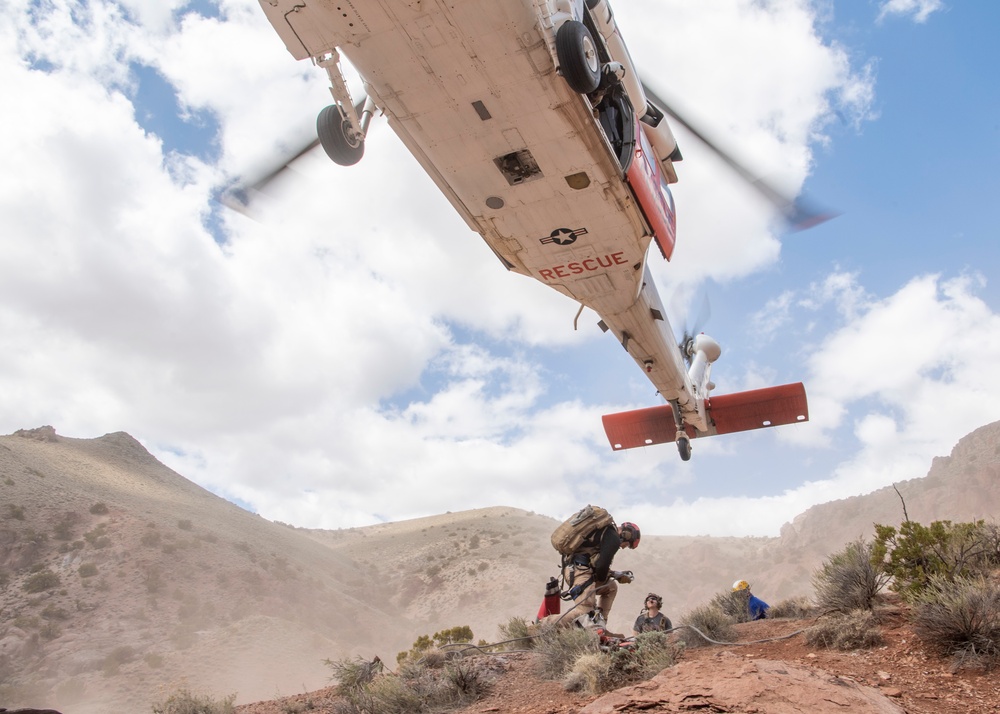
{"x": 596, "y": 595}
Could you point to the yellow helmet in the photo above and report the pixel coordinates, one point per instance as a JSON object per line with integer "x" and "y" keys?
{"x": 741, "y": 585}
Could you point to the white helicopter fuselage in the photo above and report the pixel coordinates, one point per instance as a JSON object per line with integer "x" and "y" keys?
{"x": 473, "y": 90}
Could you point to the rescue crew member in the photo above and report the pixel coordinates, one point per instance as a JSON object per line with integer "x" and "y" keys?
{"x": 757, "y": 607}
{"x": 588, "y": 575}
{"x": 651, "y": 619}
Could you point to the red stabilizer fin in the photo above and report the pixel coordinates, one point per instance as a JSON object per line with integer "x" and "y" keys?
{"x": 727, "y": 413}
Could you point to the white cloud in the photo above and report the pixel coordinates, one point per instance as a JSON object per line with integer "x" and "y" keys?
{"x": 920, "y": 10}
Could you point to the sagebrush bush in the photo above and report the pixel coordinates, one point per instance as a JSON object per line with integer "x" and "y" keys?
{"x": 42, "y": 581}
{"x": 849, "y": 580}
{"x": 516, "y": 634}
{"x": 853, "y": 630}
{"x": 599, "y": 672}
{"x": 416, "y": 687}
{"x": 185, "y": 702}
{"x": 350, "y": 674}
{"x": 792, "y": 608}
{"x": 961, "y": 618}
{"x": 734, "y": 603}
{"x": 710, "y": 621}
{"x": 559, "y": 647}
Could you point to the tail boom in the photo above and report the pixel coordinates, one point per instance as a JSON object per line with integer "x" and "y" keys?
{"x": 726, "y": 413}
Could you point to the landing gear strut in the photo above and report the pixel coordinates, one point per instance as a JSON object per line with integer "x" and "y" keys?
{"x": 682, "y": 439}
{"x": 341, "y": 131}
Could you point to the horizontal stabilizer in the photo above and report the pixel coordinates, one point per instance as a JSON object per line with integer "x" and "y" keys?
{"x": 727, "y": 413}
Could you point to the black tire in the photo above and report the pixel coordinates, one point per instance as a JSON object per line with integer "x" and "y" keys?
{"x": 684, "y": 448}
{"x": 333, "y": 129}
{"x": 578, "y": 59}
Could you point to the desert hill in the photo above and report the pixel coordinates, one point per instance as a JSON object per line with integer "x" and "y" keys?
{"x": 121, "y": 580}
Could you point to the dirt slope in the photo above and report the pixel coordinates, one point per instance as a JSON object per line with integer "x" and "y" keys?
{"x": 780, "y": 675}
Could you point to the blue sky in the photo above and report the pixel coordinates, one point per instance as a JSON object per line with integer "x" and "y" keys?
{"x": 354, "y": 354}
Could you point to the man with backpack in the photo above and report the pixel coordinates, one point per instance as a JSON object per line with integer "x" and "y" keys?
{"x": 588, "y": 542}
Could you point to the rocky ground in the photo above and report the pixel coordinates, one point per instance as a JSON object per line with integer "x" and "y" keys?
{"x": 779, "y": 675}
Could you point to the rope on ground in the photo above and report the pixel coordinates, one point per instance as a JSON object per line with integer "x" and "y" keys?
{"x": 731, "y": 644}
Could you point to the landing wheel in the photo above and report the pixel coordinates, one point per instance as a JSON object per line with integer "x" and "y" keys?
{"x": 338, "y": 139}
{"x": 684, "y": 448}
{"x": 578, "y": 60}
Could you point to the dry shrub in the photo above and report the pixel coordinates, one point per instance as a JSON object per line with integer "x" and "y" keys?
{"x": 795, "y": 608}
{"x": 367, "y": 689}
{"x": 516, "y": 633}
{"x": 734, "y": 603}
{"x": 41, "y": 581}
{"x": 560, "y": 647}
{"x": 961, "y": 619}
{"x": 707, "y": 623}
{"x": 846, "y": 631}
{"x": 184, "y": 702}
{"x": 599, "y": 672}
{"x": 849, "y": 580}
{"x": 589, "y": 673}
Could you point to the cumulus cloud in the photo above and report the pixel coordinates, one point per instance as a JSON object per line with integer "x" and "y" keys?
{"x": 919, "y": 10}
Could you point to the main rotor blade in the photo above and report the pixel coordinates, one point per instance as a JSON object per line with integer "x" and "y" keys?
{"x": 238, "y": 194}
{"x": 799, "y": 213}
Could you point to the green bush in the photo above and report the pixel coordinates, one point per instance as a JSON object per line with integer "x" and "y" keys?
{"x": 914, "y": 554}
{"x": 99, "y": 509}
{"x": 850, "y": 580}
{"x": 961, "y": 618}
{"x": 425, "y": 643}
{"x": 846, "y": 631}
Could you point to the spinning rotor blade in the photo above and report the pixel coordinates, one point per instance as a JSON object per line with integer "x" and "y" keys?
{"x": 694, "y": 328}
{"x": 799, "y": 214}
{"x": 238, "y": 194}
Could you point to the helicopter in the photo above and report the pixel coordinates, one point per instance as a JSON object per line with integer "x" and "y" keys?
{"x": 531, "y": 119}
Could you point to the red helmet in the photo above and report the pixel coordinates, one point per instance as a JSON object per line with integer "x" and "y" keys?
{"x": 630, "y": 534}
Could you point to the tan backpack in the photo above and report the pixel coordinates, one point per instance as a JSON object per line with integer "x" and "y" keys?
{"x": 571, "y": 533}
